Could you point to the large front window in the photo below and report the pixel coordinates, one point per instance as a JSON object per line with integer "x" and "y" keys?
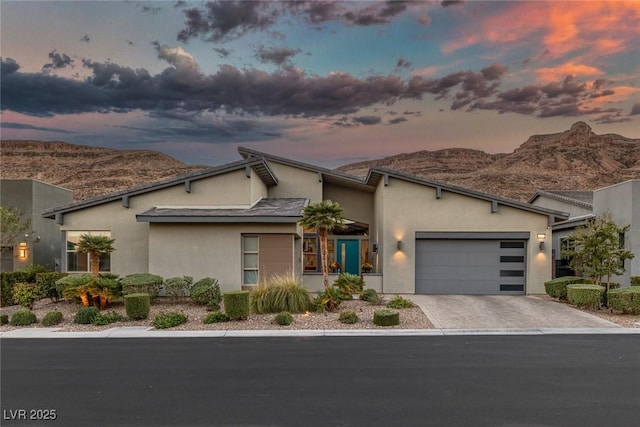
{"x": 79, "y": 263}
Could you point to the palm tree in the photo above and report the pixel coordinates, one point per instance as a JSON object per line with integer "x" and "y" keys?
{"x": 324, "y": 216}
{"x": 95, "y": 246}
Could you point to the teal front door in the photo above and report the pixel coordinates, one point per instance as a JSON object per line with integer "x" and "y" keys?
{"x": 348, "y": 255}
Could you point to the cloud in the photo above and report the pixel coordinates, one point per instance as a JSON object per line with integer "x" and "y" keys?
{"x": 367, "y": 120}
{"x": 397, "y": 120}
{"x": 11, "y": 125}
{"x": 57, "y": 61}
{"x": 635, "y": 110}
{"x": 403, "y": 62}
{"x": 222, "y": 52}
{"x": 274, "y": 55}
{"x": 85, "y": 38}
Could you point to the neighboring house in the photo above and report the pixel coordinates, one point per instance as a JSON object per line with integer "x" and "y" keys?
{"x": 622, "y": 200}
{"x": 41, "y": 243}
{"x": 239, "y": 223}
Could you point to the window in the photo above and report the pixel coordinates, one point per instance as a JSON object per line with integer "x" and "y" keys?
{"x": 250, "y": 260}
{"x": 79, "y": 263}
{"x": 310, "y": 254}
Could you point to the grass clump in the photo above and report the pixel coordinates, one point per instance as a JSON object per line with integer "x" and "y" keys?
{"x": 348, "y": 316}
{"x": 169, "y": 319}
{"x": 137, "y": 306}
{"x": 23, "y": 317}
{"x": 52, "y": 318}
{"x": 85, "y": 315}
{"x": 399, "y": 302}
{"x": 107, "y": 318}
{"x": 216, "y": 317}
{"x": 283, "y": 292}
{"x": 284, "y": 318}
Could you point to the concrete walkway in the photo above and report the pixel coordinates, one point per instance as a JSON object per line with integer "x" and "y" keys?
{"x": 503, "y": 312}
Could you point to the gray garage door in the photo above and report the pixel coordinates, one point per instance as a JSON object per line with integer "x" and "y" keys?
{"x": 480, "y": 267}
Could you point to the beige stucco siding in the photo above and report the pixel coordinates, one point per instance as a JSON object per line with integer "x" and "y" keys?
{"x": 204, "y": 250}
{"x": 357, "y": 205}
{"x": 258, "y": 188}
{"x": 295, "y": 182}
{"x": 409, "y": 208}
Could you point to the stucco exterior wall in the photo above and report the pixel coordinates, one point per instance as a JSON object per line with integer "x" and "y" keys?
{"x": 409, "y": 208}
{"x": 258, "y": 188}
{"x": 623, "y": 201}
{"x": 294, "y": 182}
{"x": 357, "y": 204}
{"x": 204, "y": 250}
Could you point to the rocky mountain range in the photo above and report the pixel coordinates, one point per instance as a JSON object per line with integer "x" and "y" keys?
{"x": 576, "y": 159}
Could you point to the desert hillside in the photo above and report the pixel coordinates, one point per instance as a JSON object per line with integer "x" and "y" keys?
{"x": 576, "y": 159}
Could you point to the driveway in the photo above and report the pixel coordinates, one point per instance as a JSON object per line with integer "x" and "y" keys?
{"x": 500, "y": 312}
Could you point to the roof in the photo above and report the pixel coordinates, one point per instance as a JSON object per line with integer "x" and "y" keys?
{"x": 572, "y": 222}
{"x": 280, "y": 210}
{"x": 583, "y": 199}
{"x": 259, "y": 166}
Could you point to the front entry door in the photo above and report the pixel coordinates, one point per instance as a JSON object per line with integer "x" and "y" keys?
{"x": 349, "y": 256}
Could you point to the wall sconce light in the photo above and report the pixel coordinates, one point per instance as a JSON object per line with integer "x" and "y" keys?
{"x": 22, "y": 250}
{"x": 375, "y": 248}
{"x": 399, "y": 245}
{"x": 541, "y": 238}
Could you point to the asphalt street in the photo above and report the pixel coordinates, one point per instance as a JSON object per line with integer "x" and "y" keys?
{"x": 554, "y": 380}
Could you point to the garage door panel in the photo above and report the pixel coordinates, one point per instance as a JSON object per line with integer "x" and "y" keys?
{"x": 477, "y": 267}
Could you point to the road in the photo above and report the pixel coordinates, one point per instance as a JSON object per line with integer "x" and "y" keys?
{"x": 558, "y": 380}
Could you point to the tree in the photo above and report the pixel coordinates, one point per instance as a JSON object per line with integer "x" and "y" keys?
{"x": 13, "y": 225}
{"x": 95, "y": 245}
{"x": 324, "y": 216}
{"x": 597, "y": 249}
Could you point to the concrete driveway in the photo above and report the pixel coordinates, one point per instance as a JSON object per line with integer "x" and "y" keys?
{"x": 500, "y": 312}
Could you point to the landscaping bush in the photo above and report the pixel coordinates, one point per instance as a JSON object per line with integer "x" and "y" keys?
{"x": 626, "y": 300}
{"x": 25, "y": 294}
{"x": 169, "y": 319}
{"x": 399, "y": 302}
{"x": 142, "y": 283}
{"x": 386, "y": 317}
{"x": 47, "y": 285}
{"x": 52, "y": 318}
{"x": 137, "y": 306}
{"x": 348, "y": 284}
{"x": 635, "y": 280}
{"x": 348, "y": 316}
{"x": 75, "y": 286}
{"x": 216, "y": 317}
{"x": 284, "y": 318}
{"x": 206, "y": 292}
{"x": 23, "y": 317}
{"x": 370, "y": 295}
{"x": 86, "y": 315}
{"x": 557, "y": 288}
{"x": 236, "y": 305}
{"x": 7, "y": 280}
{"x": 282, "y": 293}
{"x": 328, "y": 300}
{"x": 178, "y": 288}
{"x": 585, "y": 295}
{"x": 106, "y": 318}
{"x": 4, "y": 319}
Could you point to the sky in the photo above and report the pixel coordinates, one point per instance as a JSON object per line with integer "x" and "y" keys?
{"x": 326, "y": 82}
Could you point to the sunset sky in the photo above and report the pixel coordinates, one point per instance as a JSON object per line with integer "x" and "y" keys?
{"x": 318, "y": 81}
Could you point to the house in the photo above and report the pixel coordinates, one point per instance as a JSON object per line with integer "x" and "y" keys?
{"x": 239, "y": 223}
{"x": 41, "y": 243}
{"x": 622, "y": 200}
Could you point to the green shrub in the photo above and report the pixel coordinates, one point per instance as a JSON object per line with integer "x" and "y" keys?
{"x": 557, "y": 288}
{"x": 284, "y": 318}
{"x": 348, "y": 316}
{"x": 52, "y": 318}
{"x": 106, "y": 318}
{"x": 635, "y": 280}
{"x": 85, "y": 315}
{"x": 178, "y": 288}
{"x": 585, "y": 295}
{"x": 142, "y": 283}
{"x": 283, "y": 293}
{"x": 137, "y": 306}
{"x": 7, "y": 280}
{"x": 47, "y": 285}
{"x": 236, "y": 305}
{"x": 23, "y": 317}
{"x": 4, "y": 319}
{"x": 386, "y": 317}
{"x": 74, "y": 286}
{"x": 626, "y": 300}
{"x": 216, "y": 317}
{"x": 370, "y": 295}
{"x": 399, "y": 302}
{"x": 329, "y": 300}
{"x": 26, "y": 294}
{"x": 348, "y": 284}
{"x": 169, "y": 319}
{"x": 206, "y": 292}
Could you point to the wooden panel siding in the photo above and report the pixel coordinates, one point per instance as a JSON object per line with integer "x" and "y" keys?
{"x": 275, "y": 254}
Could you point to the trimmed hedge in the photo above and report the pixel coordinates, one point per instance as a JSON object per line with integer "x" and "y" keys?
{"x": 26, "y": 294}
{"x": 206, "y": 292}
{"x": 7, "y": 280}
{"x": 284, "y": 318}
{"x": 216, "y": 317}
{"x": 142, "y": 283}
{"x": 585, "y": 295}
{"x": 348, "y": 316}
{"x": 4, "y": 319}
{"x": 386, "y": 317}
{"x": 557, "y": 288}
{"x": 137, "y": 306}
{"x": 47, "y": 284}
{"x": 626, "y": 300}
{"x": 236, "y": 305}
{"x": 23, "y": 317}
{"x": 52, "y": 318}
{"x": 635, "y": 280}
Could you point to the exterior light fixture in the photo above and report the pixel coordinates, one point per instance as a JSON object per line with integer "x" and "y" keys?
{"x": 399, "y": 245}
{"x": 22, "y": 250}
{"x": 541, "y": 238}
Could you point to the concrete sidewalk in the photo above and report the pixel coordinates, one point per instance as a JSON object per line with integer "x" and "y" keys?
{"x": 503, "y": 312}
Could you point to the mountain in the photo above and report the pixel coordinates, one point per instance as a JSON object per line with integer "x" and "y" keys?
{"x": 576, "y": 159}
{"x": 88, "y": 171}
